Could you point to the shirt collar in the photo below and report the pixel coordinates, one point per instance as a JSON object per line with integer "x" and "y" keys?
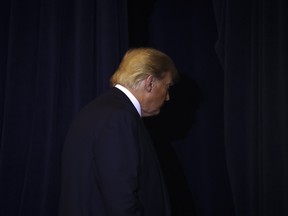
{"x": 131, "y": 97}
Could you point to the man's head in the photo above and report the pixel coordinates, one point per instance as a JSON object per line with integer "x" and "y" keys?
{"x": 147, "y": 73}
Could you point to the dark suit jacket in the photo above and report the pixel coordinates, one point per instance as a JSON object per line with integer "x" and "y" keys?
{"x": 109, "y": 167}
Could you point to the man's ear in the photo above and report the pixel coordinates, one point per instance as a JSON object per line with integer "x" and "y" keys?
{"x": 149, "y": 83}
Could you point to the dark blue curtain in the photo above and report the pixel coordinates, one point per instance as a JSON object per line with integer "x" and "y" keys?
{"x": 221, "y": 140}
{"x": 56, "y": 55}
{"x": 253, "y": 50}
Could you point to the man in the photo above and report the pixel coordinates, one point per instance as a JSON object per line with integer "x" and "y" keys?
{"x": 109, "y": 166}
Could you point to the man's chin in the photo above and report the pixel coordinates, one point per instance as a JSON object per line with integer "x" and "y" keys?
{"x": 150, "y": 114}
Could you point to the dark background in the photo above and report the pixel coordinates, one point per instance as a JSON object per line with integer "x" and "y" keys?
{"x": 221, "y": 139}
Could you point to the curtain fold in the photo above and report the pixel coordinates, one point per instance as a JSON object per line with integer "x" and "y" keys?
{"x": 252, "y": 44}
{"x": 56, "y": 56}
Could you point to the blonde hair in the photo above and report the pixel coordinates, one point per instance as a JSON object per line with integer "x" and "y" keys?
{"x": 138, "y": 63}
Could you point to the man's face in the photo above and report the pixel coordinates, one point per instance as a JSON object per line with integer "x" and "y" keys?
{"x": 157, "y": 96}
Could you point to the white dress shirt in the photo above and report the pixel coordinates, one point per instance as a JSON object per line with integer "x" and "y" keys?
{"x": 131, "y": 97}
